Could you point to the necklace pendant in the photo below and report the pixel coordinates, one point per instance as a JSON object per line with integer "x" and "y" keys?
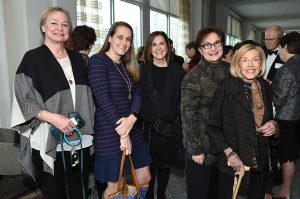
{"x": 70, "y": 81}
{"x": 129, "y": 96}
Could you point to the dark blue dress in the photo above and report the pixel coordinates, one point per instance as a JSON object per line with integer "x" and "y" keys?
{"x": 110, "y": 90}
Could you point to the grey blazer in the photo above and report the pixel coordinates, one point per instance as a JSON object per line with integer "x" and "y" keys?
{"x": 286, "y": 90}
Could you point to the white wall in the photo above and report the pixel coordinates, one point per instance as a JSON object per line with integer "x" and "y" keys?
{"x": 19, "y": 31}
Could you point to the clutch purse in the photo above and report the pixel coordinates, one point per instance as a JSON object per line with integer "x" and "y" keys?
{"x": 75, "y": 118}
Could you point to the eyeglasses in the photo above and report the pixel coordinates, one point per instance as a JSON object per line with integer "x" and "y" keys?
{"x": 271, "y": 39}
{"x": 209, "y": 45}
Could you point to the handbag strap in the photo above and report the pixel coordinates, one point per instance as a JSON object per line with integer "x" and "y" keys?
{"x": 156, "y": 108}
{"x": 123, "y": 180}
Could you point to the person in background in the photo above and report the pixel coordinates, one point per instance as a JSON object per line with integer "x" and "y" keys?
{"x": 160, "y": 81}
{"x": 176, "y": 58}
{"x": 140, "y": 55}
{"x": 197, "y": 91}
{"x": 82, "y": 40}
{"x": 286, "y": 91}
{"x": 241, "y": 125}
{"x": 114, "y": 75}
{"x": 227, "y": 53}
{"x": 50, "y": 83}
{"x": 193, "y": 55}
{"x": 273, "y": 62}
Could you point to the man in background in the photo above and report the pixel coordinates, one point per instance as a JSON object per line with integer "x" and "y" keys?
{"x": 272, "y": 35}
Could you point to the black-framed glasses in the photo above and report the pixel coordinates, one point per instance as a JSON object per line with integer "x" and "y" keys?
{"x": 209, "y": 45}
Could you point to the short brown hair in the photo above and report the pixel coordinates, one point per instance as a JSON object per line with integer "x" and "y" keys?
{"x": 235, "y": 67}
{"x": 292, "y": 42}
{"x": 204, "y": 32}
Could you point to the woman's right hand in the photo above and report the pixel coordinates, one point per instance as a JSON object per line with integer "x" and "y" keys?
{"x": 236, "y": 163}
{"x": 125, "y": 144}
{"x": 61, "y": 122}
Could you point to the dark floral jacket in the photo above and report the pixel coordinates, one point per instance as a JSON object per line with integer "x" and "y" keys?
{"x": 197, "y": 90}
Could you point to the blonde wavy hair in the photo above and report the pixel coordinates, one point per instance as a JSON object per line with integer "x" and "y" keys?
{"x": 235, "y": 67}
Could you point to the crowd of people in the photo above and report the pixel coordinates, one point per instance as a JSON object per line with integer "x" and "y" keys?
{"x": 233, "y": 106}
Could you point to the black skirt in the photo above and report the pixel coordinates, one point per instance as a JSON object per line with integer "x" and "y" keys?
{"x": 288, "y": 146}
{"x": 162, "y": 150}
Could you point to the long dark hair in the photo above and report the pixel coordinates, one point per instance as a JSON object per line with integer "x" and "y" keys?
{"x": 128, "y": 59}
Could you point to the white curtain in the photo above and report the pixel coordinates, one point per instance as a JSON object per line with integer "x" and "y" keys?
{"x": 5, "y": 102}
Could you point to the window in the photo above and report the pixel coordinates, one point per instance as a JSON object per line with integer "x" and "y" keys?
{"x": 234, "y": 34}
{"x": 96, "y": 14}
{"x": 174, "y": 32}
{"x": 131, "y": 16}
{"x": 100, "y": 14}
{"x": 158, "y": 22}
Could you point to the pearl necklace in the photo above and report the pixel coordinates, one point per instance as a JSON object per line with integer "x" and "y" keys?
{"x": 127, "y": 80}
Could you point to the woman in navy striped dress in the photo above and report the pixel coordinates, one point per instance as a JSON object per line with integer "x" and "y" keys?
{"x": 113, "y": 75}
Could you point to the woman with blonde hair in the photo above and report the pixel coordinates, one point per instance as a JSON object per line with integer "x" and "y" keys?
{"x": 241, "y": 124}
{"x": 51, "y": 83}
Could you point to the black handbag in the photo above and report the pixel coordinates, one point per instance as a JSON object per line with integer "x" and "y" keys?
{"x": 165, "y": 128}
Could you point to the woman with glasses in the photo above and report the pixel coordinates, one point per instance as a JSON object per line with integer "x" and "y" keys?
{"x": 241, "y": 125}
{"x": 197, "y": 91}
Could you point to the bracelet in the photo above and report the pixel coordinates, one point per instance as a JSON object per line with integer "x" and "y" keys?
{"x": 232, "y": 153}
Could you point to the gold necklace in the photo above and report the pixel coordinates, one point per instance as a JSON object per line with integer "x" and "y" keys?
{"x": 126, "y": 80}
{"x": 260, "y": 105}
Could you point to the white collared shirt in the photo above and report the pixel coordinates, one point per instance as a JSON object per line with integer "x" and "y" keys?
{"x": 269, "y": 61}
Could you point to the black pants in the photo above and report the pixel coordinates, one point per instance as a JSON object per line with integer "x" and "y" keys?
{"x": 201, "y": 181}
{"x": 256, "y": 187}
{"x": 162, "y": 176}
{"x": 54, "y": 186}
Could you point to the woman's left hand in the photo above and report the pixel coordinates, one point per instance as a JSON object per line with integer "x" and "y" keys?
{"x": 269, "y": 128}
{"x": 125, "y": 125}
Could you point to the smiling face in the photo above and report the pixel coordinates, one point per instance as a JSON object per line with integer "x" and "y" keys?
{"x": 250, "y": 65}
{"x": 56, "y": 28}
{"x": 212, "y": 54}
{"x": 159, "y": 48}
{"x": 120, "y": 42}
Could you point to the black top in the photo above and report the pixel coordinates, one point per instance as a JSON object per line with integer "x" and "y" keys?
{"x": 159, "y": 78}
{"x": 168, "y": 100}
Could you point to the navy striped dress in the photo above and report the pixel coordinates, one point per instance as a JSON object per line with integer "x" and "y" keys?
{"x": 110, "y": 92}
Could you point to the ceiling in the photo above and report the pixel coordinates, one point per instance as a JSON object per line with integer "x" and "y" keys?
{"x": 264, "y": 13}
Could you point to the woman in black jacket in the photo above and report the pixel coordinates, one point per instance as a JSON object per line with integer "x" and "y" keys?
{"x": 240, "y": 124}
{"x": 160, "y": 82}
